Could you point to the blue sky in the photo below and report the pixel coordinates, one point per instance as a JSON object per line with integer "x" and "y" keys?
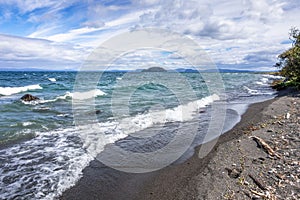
{"x": 239, "y": 34}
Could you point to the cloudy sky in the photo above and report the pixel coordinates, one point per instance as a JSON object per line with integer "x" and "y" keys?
{"x": 60, "y": 34}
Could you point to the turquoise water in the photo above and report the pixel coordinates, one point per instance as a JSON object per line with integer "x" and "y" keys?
{"x": 43, "y": 152}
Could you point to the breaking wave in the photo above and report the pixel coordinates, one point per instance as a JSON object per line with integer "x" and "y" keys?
{"x": 6, "y": 91}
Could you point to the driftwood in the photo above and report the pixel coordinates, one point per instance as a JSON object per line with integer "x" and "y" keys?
{"x": 258, "y": 193}
{"x": 257, "y": 182}
{"x": 265, "y": 146}
{"x": 266, "y": 195}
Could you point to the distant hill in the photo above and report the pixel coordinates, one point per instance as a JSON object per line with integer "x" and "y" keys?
{"x": 213, "y": 70}
{"x": 154, "y": 69}
{"x": 228, "y": 71}
{"x": 151, "y": 69}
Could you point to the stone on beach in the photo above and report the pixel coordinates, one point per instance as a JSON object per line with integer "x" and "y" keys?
{"x": 234, "y": 173}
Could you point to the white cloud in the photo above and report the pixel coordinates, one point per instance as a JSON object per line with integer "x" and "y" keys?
{"x": 25, "y": 52}
{"x": 29, "y": 5}
{"x": 255, "y": 28}
{"x": 235, "y": 32}
{"x": 264, "y": 10}
{"x": 88, "y": 34}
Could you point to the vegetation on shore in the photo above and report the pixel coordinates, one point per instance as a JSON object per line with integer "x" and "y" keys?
{"x": 289, "y": 63}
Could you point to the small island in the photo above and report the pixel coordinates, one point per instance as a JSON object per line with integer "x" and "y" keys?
{"x": 154, "y": 69}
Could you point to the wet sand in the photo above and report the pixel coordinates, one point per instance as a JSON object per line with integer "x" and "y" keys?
{"x": 238, "y": 167}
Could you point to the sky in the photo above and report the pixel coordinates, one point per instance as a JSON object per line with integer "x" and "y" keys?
{"x": 61, "y": 34}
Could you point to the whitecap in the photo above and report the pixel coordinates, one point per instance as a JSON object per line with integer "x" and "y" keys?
{"x": 52, "y": 79}
{"x": 27, "y": 124}
{"x": 63, "y": 97}
{"x": 43, "y": 101}
{"x": 87, "y": 95}
{"x": 6, "y": 91}
{"x": 35, "y": 102}
{"x": 259, "y": 83}
{"x": 251, "y": 91}
{"x": 63, "y": 115}
{"x": 269, "y": 76}
{"x": 263, "y": 81}
{"x": 76, "y": 95}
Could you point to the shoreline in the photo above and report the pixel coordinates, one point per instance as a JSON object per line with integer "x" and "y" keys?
{"x": 193, "y": 179}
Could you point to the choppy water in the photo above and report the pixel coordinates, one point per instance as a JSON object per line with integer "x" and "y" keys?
{"x": 42, "y": 149}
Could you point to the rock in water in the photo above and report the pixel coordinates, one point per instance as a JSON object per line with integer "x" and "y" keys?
{"x": 98, "y": 112}
{"x": 29, "y": 97}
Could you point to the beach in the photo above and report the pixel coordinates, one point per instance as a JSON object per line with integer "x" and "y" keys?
{"x": 150, "y": 100}
{"x": 46, "y": 144}
{"x": 60, "y": 153}
{"x": 239, "y": 166}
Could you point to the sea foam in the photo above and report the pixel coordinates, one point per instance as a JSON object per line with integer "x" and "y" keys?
{"x": 129, "y": 125}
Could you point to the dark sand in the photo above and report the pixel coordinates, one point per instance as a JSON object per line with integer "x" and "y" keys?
{"x": 237, "y": 168}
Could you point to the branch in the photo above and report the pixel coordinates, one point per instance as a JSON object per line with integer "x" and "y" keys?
{"x": 265, "y": 146}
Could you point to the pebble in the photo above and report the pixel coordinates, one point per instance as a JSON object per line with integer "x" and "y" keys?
{"x": 234, "y": 173}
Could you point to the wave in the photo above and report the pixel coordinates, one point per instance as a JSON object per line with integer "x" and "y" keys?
{"x": 24, "y": 124}
{"x": 129, "y": 125}
{"x": 41, "y": 101}
{"x": 77, "y": 95}
{"x": 63, "y": 97}
{"x": 58, "y": 164}
{"x": 27, "y": 124}
{"x": 266, "y": 78}
{"x": 251, "y": 91}
{"x": 87, "y": 95}
{"x": 52, "y": 79}
{"x": 257, "y": 92}
{"x": 263, "y": 81}
{"x": 6, "y": 91}
{"x": 269, "y": 76}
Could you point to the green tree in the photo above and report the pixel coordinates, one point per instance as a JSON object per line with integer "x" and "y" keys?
{"x": 289, "y": 61}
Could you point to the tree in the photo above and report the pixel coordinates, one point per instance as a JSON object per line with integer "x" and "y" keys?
{"x": 289, "y": 61}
